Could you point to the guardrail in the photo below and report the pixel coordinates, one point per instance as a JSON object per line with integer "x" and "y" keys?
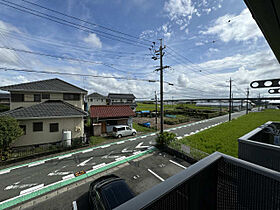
{"x": 216, "y": 182}
{"x": 256, "y": 147}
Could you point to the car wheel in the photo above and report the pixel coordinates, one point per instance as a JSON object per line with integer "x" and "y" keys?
{"x": 119, "y": 136}
{"x": 133, "y": 134}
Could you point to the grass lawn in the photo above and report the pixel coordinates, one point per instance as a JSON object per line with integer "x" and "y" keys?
{"x": 140, "y": 128}
{"x": 223, "y": 138}
{"x": 95, "y": 140}
{"x": 152, "y": 107}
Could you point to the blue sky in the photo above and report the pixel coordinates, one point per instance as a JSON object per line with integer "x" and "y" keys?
{"x": 213, "y": 40}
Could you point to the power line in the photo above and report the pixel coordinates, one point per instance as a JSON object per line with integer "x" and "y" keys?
{"x": 84, "y": 21}
{"x": 66, "y": 58}
{"x": 73, "y": 25}
{"x": 184, "y": 57}
{"x": 190, "y": 68}
{"x": 24, "y": 36}
{"x": 75, "y": 74}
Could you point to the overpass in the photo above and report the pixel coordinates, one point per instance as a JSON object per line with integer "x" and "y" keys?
{"x": 222, "y": 99}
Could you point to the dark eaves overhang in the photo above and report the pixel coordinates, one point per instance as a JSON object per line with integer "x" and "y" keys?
{"x": 267, "y": 15}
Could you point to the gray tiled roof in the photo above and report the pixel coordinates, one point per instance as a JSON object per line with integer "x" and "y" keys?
{"x": 50, "y": 85}
{"x": 4, "y": 95}
{"x": 122, "y": 96}
{"x": 95, "y": 95}
{"x": 46, "y": 109}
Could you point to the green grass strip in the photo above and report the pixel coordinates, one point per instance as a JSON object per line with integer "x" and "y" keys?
{"x": 62, "y": 183}
{"x": 223, "y": 138}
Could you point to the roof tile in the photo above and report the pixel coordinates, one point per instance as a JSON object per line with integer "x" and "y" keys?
{"x": 110, "y": 111}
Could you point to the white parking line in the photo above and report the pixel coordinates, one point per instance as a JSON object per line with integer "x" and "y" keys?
{"x": 89, "y": 150}
{"x": 65, "y": 156}
{"x": 98, "y": 166}
{"x": 5, "y": 171}
{"x": 31, "y": 189}
{"x": 157, "y": 176}
{"x": 177, "y": 164}
{"x": 104, "y": 146}
{"x": 70, "y": 176}
{"x": 75, "y": 205}
{"x": 36, "y": 164}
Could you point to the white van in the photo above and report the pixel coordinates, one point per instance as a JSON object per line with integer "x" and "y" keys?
{"x": 123, "y": 130}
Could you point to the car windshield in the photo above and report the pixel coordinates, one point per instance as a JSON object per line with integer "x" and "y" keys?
{"x": 116, "y": 193}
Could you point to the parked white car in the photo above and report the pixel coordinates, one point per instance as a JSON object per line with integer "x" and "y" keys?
{"x": 123, "y": 130}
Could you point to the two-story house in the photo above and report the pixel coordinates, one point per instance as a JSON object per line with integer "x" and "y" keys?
{"x": 122, "y": 99}
{"x": 95, "y": 99}
{"x": 45, "y": 109}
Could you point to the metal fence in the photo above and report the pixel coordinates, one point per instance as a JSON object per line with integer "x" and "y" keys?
{"x": 216, "y": 182}
{"x": 256, "y": 147}
{"x": 42, "y": 149}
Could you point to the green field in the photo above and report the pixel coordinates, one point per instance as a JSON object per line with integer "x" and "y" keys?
{"x": 223, "y": 138}
{"x": 152, "y": 107}
{"x": 140, "y": 128}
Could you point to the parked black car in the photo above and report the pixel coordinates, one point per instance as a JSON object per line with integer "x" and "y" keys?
{"x": 108, "y": 192}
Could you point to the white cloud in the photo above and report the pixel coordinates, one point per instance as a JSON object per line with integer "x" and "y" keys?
{"x": 93, "y": 40}
{"x": 179, "y": 8}
{"x": 241, "y": 27}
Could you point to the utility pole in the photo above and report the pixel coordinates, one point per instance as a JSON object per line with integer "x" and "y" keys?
{"x": 161, "y": 54}
{"x": 247, "y": 105}
{"x": 229, "y": 116}
{"x": 156, "y": 109}
{"x": 259, "y": 101}
{"x": 232, "y": 103}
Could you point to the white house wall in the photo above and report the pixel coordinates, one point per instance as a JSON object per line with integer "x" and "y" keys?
{"x": 46, "y": 136}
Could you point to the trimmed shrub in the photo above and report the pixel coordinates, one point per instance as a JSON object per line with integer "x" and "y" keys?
{"x": 165, "y": 138}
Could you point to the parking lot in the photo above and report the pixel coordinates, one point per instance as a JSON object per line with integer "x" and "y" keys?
{"x": 140, "y": 174}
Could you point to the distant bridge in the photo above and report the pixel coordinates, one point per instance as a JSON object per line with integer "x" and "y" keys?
{"x": 222, "y": 99}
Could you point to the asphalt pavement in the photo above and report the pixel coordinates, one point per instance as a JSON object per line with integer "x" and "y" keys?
{"x": 20, "y": 183}
{"x": 140, "y": 175}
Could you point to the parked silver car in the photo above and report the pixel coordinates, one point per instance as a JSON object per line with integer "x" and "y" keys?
{"x": 123, "y": 130}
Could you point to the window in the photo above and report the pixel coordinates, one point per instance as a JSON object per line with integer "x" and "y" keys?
{"x": 45, "y": 96}
{"x": 17, "y": 97}
{"x": 37, "y": 97}
{"x": 91, "y": 100}
{"x": 54, "y": 127}
{"x": 71, "y": 96}
{"x": 23, "y": 127}
{"x": 101, "y": 100}
{"x": 128, "y": 128}
{"x": 38, "y": 126}
{"x": 121, "y": 129}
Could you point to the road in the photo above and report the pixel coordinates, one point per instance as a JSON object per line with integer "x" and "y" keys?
{"x": 140, "y": 175}
{"x": 26, "y": 181}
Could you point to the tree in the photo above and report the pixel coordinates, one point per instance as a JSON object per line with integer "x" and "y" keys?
{"x": 9, "y": 132}
{"x": 165, "y": 138}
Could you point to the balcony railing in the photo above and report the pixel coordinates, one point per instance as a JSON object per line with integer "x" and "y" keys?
{"x": 258, "y": 147}
{"x": 216, "y": 182}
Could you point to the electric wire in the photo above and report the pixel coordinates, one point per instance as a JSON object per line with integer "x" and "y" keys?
{"x": 84, "y": 21}
{"x": 73, "y": 25}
